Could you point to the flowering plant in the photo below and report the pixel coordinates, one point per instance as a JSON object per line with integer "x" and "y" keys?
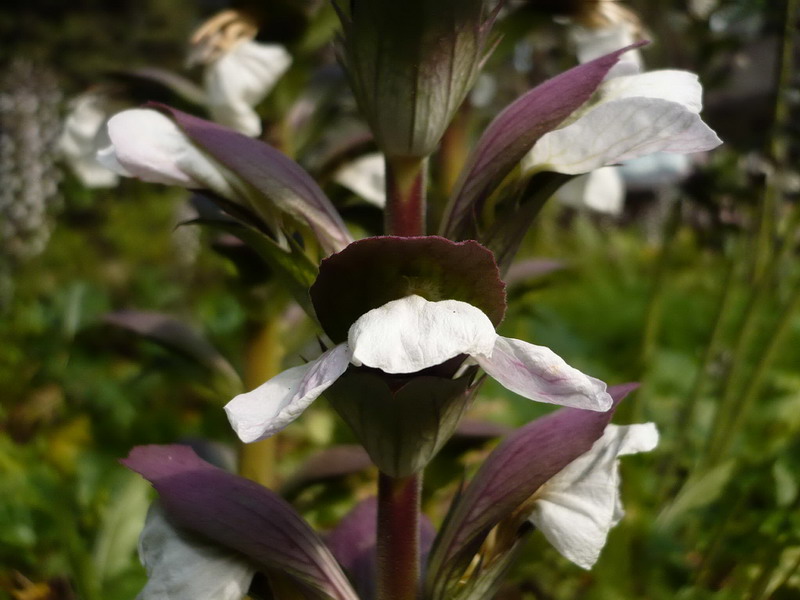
{"x": 410, "y": 321}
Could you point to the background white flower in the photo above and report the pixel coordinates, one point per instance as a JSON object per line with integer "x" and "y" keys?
{"x": 239, "y": 79}
{"x": 365, "y": 177}
{"x": 632, "y": 116}
{"x": 85, "y": 133}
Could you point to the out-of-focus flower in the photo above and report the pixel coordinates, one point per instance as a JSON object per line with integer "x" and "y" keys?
{"x": 183, "y": 567}
{"x": 196, "y": 154}
{"x": 84, "y": 134}
{"x": 602, "y": 27}
{"x": 29, "y": 128}
{"x": 602, "y": 190}
{"x": 239, "y": 72}
{"x": 655, "y": 171}
{"x": 631, "y": 116}
{"x": 577, "y": 508}
{"x": 406, "y": 336}
{"x": 148, "y": 145}
{"x": 598, "y": 28}
{"x": 366, "y": 177}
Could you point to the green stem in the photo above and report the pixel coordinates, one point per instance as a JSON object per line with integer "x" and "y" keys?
{"x": 406, "y": 182}
{"x": 655, "y": 305}
{"x": 398, "y": 537}
{"x": 741, "y": 407}
{"x": 766, "y": 265}
{"x": 784, "y": 580}
{"x": 732, "y": 384}
{"x": 777, "y": 147}
{"x": 686, "y": 414}
{"x": 264, "y": 359}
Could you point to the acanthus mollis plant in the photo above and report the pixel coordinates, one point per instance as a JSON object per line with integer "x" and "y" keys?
{"x": 410, "y": 321}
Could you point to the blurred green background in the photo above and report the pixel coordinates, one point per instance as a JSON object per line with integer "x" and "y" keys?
{"x": 692, "y": 291}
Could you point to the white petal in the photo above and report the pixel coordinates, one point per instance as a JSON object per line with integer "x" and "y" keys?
{"x": 620, "y": 130}
{"x": 576, "y": 509}
{"x": 273, "y": 405}
{"x": 240, "y": 79}
{"x": 538, "y": 373}
{"x": 594, "y": 43}
{"x": 366, "y": 177}
{"x": 411, "y": 334}
{"x": 682, "y": 87}
{"x": 148, "y": 145}
{"x": 83, "y": 134}
{"x": 601, "y": 190}
{"x": 180, "y": 567}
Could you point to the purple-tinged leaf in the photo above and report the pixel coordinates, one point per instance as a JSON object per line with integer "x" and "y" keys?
{"x": 511, "y": 474}
{"x": 354, "y": 542}
{"x": 513, "y": 132}
{"x": 274, "y": 175}
{"x": 331, "y": 463}
{"x": 175, "y": 335}
{"x": 239, "y": 514}
{"x": 373, "y": 271}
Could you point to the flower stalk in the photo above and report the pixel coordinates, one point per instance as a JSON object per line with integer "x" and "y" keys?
{"x": 264, "y": 357}
{"x": 406, "y": 182}
{"x": 398, "y": 537}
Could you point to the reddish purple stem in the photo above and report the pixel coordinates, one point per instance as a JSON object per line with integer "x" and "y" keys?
{"x": 406, "y": 181}
{"x": 398, "y": 537}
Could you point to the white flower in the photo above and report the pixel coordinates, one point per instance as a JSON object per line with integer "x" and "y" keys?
{"x": 366, "y": 177}
{"x": 591, "y": 43}
{"x": 83, "y": 135}
{"x": 577, "y": 508}
{"x": 148, "y": 145}
{"x": 602, "y": 190}
{"x": 239, "y": 79}
{"x": 655, "y": 171}
{"x": 631, "y": 116}
{"x": 180, "y": 567}
{"x": 406, "y": 336}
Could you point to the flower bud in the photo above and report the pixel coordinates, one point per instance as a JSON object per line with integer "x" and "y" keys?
{"x": 411, "y": 64}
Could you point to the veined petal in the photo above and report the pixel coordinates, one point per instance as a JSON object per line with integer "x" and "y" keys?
{"x": 576, "y": 509}
{"x": 366, "y": 177}
{"x": 273, "y": 405}
{"x": 182, "y": 567}
{"x": 682, "y": 87}
{"x": 240, "y": 79}
{"x": 601, "y": 190}
{"x": 538, "y": 373}
{"x": 621, "y": 130}
{"x": 411, "y": 334}
{"x": 148, "y": 145}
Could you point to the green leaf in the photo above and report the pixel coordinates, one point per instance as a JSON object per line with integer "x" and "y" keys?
{"x": 699, "y": 491}
{"x": 120, "y": 526}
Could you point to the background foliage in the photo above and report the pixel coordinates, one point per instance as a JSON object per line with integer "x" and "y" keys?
{"x": 692, "y": 292}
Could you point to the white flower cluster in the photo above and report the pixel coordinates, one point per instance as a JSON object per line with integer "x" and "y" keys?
{"x": 29, "y": 125}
